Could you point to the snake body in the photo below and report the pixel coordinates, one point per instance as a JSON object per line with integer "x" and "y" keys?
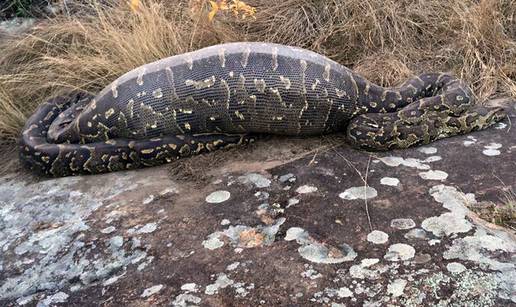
{"x": 222, "y": 95}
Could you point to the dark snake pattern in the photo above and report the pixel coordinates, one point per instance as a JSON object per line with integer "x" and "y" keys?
{"x": 223, "y": 95}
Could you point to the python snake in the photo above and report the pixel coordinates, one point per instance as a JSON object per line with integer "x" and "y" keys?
{"x": 222, "y": 95}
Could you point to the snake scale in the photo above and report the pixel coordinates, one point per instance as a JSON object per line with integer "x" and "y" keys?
{"x": 223, "y": 95}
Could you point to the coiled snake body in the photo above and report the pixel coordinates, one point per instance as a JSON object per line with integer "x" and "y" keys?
{"x": 221, "y": 95}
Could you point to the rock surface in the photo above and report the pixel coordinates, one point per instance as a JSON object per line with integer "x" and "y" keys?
{"x": 271, "y": 233}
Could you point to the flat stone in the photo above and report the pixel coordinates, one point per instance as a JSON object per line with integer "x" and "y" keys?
{"x": 80, "y": 241}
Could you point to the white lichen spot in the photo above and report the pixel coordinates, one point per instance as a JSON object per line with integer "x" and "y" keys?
{"x": 434, "y": 242}
{"x": 59, "y": 297}
{"x": 287, "y": 177}
{"x": 147, "y": 228}
{"x": 168, "y": 191}
{"x": 213, "y": 241}
{"x": 152, "y": 290}
{"x": 396, "y": 287}
{"x": 296, "y": 233}
{"x": 367, "y": 262}
{"x": 428, "y": 150}
{"x": 292, "y": 202}
{"x": 477, "y": 248}
{"x": 317, "y": 252}
{"x": 304, "y": 189}
{"x": 186, "y": 300}
{"x": 433, "y": 175}
{"x": 218, "y": 197}
{"x": 344, "y": 292}
{"x": 109, "y": 229}
{"x": 455, "y": 267}
{"x": 311, "y": 274}
{"x": 491, "y": 150}
{"x": 409, "y": 162}
{"x": 450, "y": 222}
{"x": 377, "y": 237}
{"x": 359, "y": 193}
{"x": 258, "y": 180}
{"x": 113, "y": 279}
{"x": 471, "y": 140}
{"x": 225, "y": 222}
{"x": 403, "y": 224}
{"x": 116, "y": 242}
{"x": 400, "y": 252}
{"x": 222, "y": 282}
{"x": 261, "y": 195}
{"x": 500, "y": 126}
{"x": 432, "y": 159}
{"x": 148, "y": 199}
{"x": 190, "y": 287}
{"x": 362, "y": 271}
{"x": 416, "y": 234}
{"x": 233, "y": 266}
{"x": 390, "y": 181}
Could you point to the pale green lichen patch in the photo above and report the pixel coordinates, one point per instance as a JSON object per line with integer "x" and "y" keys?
{"x": 151, "y": 291}
{"x": 218, "y": 197}
{"x": 400, "y": 252}
{"x": 390, "y": 181}
{"x": 492, "y": 149}
{"x": 258, "y": 180}
{"x": 305, "y": 189}
{"x": 244, "y": 236}
{"x": 434, "y": 175}
{"x": 403, "y": 224}
{"x": 359, "y": 193}
{"x": 377, "y": 237}
{"x": 428, "y": 150}
{"x": 46, "y": 223}
{"x": 409, "y": 162}
{"x": 316, "y": 252}
{"x": 396, "y": 287}
{"x": 455, "y": 267}
{"x": 450, "y": 222}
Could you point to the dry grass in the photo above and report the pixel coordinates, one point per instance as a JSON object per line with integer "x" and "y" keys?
{"x": 386, "y": 40}
{"x": 502, "y": 213}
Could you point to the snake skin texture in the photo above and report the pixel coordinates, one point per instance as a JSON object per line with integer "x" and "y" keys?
{"x": 222, "y": 95}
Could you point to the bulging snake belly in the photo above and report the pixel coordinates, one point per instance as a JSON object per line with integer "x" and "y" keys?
{"x": 223, "y": 95}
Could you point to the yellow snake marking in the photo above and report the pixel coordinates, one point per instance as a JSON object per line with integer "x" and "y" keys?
{"x": 201, "y": 84}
